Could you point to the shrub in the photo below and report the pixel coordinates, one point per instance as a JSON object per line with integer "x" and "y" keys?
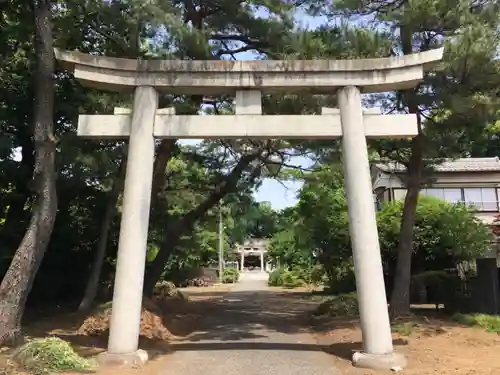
{"x": 343, "y": 305}
{"x": 292, "y": 279}
{"x": 232, "y": 272}
{"x": 275, "y": 277}
{"x": 230, "y": 275}
{"x": 445, "y": 233}
{"x": 286, "y": 278}
{"x": 318, "y": 275}
{"x": 341, "y": 279}
{"x": 51, "y": 354}
{"x": 309, "y": 274}
{"x": 164, "y": 289}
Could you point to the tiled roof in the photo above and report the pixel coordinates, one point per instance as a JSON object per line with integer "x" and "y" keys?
{"x": 452, "y": 165}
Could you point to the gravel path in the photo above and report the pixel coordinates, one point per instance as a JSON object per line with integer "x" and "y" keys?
{"x": 252, "y": 332}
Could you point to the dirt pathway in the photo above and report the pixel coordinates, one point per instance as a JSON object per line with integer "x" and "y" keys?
{"x": 253, "y": 330}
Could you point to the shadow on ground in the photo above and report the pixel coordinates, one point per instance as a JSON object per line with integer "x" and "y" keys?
{"x": 242, "y": 315}
{"x": 218, "y": 320}
{"x": 343, "y": 350}
{"x": 180, "y": 319}
{"x": 221, "y": 316}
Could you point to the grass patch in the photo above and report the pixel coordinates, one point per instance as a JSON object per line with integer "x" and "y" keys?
{"x": 404, "y": 329}
{"x": 51, "y": 354}
{"x": 490, "y": 323}
{"x": 338, "y": 306}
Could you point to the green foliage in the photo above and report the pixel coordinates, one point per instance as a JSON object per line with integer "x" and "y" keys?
{"x": 287, "y": 248}
{"x": 193, "y": 175}
{"x": 287, "y": 278}
{"x": 275, "y": 278}
{"x": 341, "y": 279}
{"x": 318, "y": 274}
{"x": 342, "y": 305}
{"x": 51, "y": 354}
{"x": 444, "y": 235}
{"x": 290, "y": 249}
{"x": 458, "y": 98}
{"x": 314, "y": 274}
{"x": 292, "y": 279}
{"x": 230, "y": 276}
{"x": 255, "y": 220}
{"x": 490, "y": 323}
{"x": 322, "y": 209}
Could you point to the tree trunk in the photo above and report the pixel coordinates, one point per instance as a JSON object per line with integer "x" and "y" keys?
{"x": 19, "y": 278}
{"x": 400, "y": 297}
{"x": 109, "y": 213}
{"x": 164, "y": 152}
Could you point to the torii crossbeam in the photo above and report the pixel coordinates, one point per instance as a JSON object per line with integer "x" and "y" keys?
{"x": 254, "y": 126}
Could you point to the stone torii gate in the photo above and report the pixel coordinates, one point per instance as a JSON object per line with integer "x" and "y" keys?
{"x": 248, "y": 80}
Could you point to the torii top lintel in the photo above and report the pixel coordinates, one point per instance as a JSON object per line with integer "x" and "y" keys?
{"x": 269, "y": 76}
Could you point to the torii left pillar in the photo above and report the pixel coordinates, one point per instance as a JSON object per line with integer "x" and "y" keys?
{"x": 131, "y": 261}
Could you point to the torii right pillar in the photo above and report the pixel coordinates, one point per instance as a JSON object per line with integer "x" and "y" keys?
{"x": 378, "y": 352}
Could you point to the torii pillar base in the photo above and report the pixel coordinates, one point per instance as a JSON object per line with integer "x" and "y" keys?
{"x": 393, "y": 361}
{"x": 131, "y": 360}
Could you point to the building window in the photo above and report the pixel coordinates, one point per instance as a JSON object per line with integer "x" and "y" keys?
{"x": 484, "y": 199}
{"x": 399, "y": 194}
{"x": 433, "y": 192}
{"x": 453, "y": 195}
